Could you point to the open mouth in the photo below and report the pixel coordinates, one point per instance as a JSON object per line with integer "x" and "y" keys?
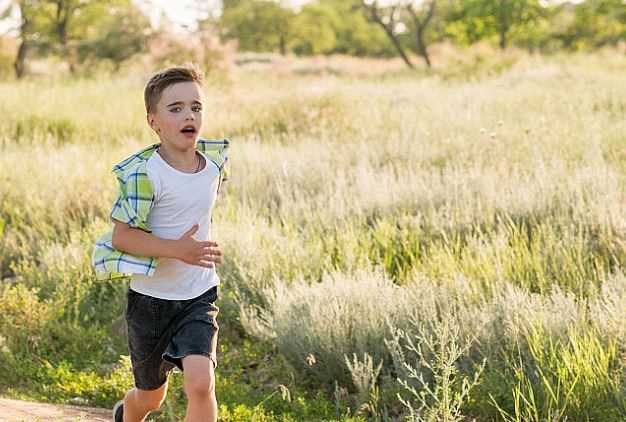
{"x": 188, "y": 130}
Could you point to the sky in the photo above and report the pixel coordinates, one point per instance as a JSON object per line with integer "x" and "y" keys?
{"x": 184, "y": 13}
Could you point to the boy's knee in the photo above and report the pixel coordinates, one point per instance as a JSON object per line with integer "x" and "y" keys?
{"x": 199, "y": 377}
{"x": 151, "y": 400}
{"x": 200, "y": 385}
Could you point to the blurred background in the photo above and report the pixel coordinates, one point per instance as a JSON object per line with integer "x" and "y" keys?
{"x": 84, "y": 37}
{"x": 424, "y": 218}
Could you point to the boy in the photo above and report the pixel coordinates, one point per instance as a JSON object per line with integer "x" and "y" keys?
{"x": 161, "y": 236}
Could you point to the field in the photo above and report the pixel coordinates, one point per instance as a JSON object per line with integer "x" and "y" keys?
{"x": 444, "y": 246}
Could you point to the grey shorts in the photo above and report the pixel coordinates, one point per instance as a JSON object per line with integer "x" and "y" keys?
{"x": 162, "y": 332}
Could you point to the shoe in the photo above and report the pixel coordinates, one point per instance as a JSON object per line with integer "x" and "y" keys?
{"x": 118, "y": 411}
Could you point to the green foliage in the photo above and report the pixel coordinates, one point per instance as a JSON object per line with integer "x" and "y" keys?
{"x": 94, "y": 35}
{"x": 258, "y": 25}
{"x": 35, "y": 23}
{"x": 120, "y": 31}
{"x": 23, "y": 318}
{"x": 354, "y": 34}
{"x": 518, "y": 21}
{"x": 314, "y": 30}
{"x": 339, "y": 26}
{"x": 365, "y": 376}
{"x": 327, "y": 26}
{"x": 61, "y": 24}
{"x": 79, "y": 31}
{"x": 579, "y": 380}
{"x": 429, "y": 360}
{"x": 62, "y": 382}
{"x": 593, "y": 24}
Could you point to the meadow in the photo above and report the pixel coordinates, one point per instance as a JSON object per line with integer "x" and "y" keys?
{"x": 425, "y": 246}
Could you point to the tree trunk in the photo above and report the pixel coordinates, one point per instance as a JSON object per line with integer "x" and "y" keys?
{"x": 421, "y": 47}
{"x": 68, "y": 54}
{"x": 396, "y": 43}
{"x": 64, "y": 10}
{"x": 503, "y": 24}
{"x": 20, "y": 59}
{"x": 420, "y": 27}
{"x": 503, "y": 40}
{"x": 388, "y": 28}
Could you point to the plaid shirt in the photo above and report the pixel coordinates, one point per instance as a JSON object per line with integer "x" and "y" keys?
{"x": 133, "y": 204}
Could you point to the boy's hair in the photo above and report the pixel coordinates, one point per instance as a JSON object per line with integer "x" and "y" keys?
{"x": 170, "y": 76}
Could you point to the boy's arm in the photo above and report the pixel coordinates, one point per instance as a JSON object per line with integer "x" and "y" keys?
{"x": 186, "y": 248}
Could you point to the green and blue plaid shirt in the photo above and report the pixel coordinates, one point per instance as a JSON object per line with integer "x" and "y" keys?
{"x": 133, "y": 204}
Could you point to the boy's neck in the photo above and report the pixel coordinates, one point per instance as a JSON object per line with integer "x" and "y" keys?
{"x": 185, "y": 161}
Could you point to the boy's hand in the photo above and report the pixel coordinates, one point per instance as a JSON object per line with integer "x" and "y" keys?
{"x": 194, "y": 252}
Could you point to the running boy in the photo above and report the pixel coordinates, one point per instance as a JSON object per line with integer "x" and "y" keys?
{"x": 161, "y": 236}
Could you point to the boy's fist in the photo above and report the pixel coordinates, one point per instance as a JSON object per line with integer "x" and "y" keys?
{"x": 202, "y": 253}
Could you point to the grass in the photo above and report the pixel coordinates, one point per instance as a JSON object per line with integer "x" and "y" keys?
{"x": 488, "y": 207}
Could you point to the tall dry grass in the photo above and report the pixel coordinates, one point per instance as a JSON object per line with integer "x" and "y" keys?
{"x": 359, "y": 208}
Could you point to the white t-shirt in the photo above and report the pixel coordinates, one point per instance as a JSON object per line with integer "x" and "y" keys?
{"x": 181, "y": 200}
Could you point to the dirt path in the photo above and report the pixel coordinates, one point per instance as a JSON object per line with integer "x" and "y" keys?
{"x": 23, "y": 411}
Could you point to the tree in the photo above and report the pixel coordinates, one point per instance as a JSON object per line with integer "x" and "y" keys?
{"x": 510, "y": 13}
{"x": 231, "y": 4}
{"x": 120, "y": 31}
{"x": 65, "y": 10}
{"x": 56, "y": 26}
{"x": 60, "y": 18}
{"x": 261, "y": 25}
{"x": 421, "y": 16}
{"x": 409, "y": 17}
{"x": 314, "y": 30}
{"x": 472, "y": 20}
{"x": 29, "y": 28}
{"x": 593, "y": 24}
{"x": 25, "y": 30}
{"x": 388, "y": 18}
{"x": 355, "y": 33}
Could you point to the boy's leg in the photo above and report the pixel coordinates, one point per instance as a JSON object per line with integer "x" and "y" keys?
{"x": 199, "y": 384}
{"x": 138, "y": 403}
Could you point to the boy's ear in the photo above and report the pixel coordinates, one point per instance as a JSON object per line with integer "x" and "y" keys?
{"x": 151, "y": 122}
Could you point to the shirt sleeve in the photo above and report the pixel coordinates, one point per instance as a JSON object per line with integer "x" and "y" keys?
{"x": 135, "y": 198}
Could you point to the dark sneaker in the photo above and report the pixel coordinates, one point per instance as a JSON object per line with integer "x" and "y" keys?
{"x": 118, "y": 411}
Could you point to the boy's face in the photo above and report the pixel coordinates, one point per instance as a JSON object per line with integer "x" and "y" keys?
{"x": 177, "y": 118}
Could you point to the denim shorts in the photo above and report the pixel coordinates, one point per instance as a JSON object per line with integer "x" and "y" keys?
{"x": 162, "y": 332}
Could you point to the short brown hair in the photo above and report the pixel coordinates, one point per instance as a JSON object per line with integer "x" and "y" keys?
{"x": 170, "y": 76}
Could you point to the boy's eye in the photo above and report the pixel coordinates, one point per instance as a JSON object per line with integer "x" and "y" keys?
{"x": 196, "y": 108}
{"x": 175, "y": 109}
